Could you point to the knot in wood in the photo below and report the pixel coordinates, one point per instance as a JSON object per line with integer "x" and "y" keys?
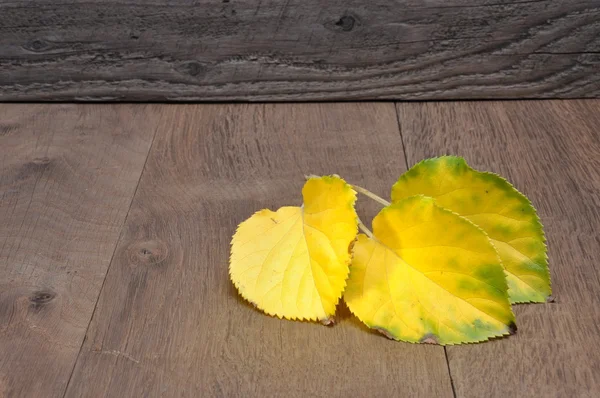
{"x": 149, "y": 252}
{"x": 192, "y": 68}
{"x": 346, "y": 23}
{"x": 42, "y": 297}
{"x": 36, "y": 45}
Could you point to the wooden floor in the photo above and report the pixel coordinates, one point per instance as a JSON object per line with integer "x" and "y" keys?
{"x": 115, "y": 222}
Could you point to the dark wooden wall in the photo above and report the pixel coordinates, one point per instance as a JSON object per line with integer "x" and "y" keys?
{"x": 282, "y": 50}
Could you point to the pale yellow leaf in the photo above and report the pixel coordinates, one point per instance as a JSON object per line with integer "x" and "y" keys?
{"x": 293, "y": 263}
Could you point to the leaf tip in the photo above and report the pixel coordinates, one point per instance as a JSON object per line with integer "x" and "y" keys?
{"x": 551, "y": 300}
{"x": 512, "y": 328}
{"x": 330, "y": 321}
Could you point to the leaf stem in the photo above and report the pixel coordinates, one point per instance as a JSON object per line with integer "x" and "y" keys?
{"x": 370, "y": 194}
{"x": 364, "y": 228}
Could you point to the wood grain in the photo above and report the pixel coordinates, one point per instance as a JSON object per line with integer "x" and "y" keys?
{"x": 551, "y": 152}
{"x": 288, "y": 50}
{"x": 170, "y": 322}
{"x": 67, "y": 178}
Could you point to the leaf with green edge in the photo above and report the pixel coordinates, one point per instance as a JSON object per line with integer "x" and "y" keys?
{"x": 293, "y": 263}
{"x": 492, "y": 203}
{"x": 428, "y": 275}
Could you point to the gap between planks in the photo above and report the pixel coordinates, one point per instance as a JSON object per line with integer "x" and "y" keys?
{"x": 408, "y": 168}
{"x": 118, "y": 241}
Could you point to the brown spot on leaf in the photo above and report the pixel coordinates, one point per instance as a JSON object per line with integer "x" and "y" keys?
{"x": 351, "y": 246}
{"x": 429, "y": 339}
{"x": 274, "y": 220}
{"x": 385, "y": 332}
{"x": 512, "y": 328}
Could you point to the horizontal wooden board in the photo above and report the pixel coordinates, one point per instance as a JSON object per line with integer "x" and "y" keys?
{"x": 286, "y": 50}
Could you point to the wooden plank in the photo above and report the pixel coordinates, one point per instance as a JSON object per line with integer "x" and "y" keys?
{"x": 67, "y": 177}
{"x": 170, "y": 322}
{"x": 551, "y": 152}
{"x": 287, "y": 50}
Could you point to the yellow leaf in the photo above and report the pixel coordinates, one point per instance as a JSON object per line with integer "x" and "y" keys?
{"x": 492, "y": 203}
{"x": 428, "y": 276}
{"x": 293, "y": 263}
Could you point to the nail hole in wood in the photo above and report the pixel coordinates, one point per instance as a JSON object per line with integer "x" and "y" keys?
{"x": 149, "y": 252}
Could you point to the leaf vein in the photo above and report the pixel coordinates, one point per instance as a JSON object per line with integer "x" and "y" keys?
{"x": 283, "y": 237}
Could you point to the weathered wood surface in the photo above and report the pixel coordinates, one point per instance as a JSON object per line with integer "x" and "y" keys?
{"x": 67, "y": 178}
{"x": 551, "y": 152}
{"x": 286, "y": 50}
{"x": 170, "y": 320}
